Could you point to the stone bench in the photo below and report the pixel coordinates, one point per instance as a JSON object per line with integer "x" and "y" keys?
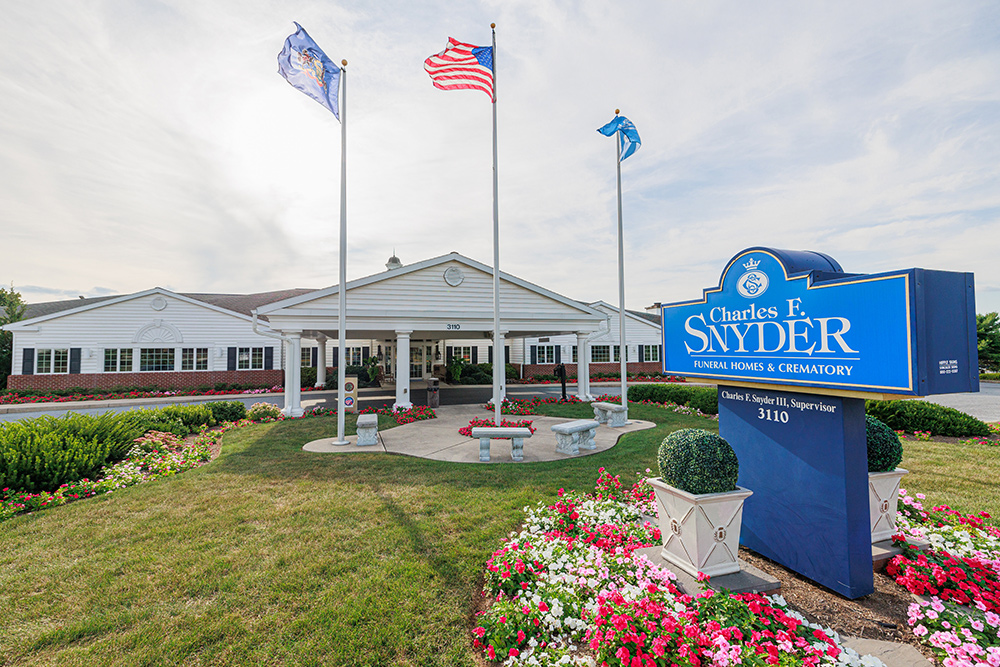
{"x": 571, "y": 437}
{"x": 367, "y": 430}
{"x": 615, "y": 412}
{"x": 516, "y": 435}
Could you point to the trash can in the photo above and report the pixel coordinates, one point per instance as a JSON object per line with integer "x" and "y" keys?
{"x": 433, "y": 397}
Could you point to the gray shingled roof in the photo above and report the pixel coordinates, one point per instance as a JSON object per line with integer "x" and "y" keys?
{"x": 238, "y": 303}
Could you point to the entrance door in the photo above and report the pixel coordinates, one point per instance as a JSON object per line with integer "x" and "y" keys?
{"x": 416, "y": 362}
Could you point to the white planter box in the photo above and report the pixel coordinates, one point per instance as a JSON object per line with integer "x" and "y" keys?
{"x": 701, "y": 533}
{"x": 883, "y": 494}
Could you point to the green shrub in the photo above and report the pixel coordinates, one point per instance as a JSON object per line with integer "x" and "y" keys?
{"x": 192, "y": 416}
{"x": 308, "y": 378}
{"x": 705, "y": 399}
{"x": 512, "y": 373}
{"x": 260, "y": 411}
{"x": 698, "y": 461}
{"x": 42, "y": 453}
{"x": 989, "y": 376}
{"x": 227, "y": 411}
{"x": 913, "y": 415}
{"x": 885, "y": 451}
{"x": 152, "y": 419}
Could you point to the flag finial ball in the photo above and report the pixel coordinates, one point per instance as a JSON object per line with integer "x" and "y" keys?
{"x": 493, "y": 25}
{"x": 343, "y": 62}
{"x": 617, "y": 111}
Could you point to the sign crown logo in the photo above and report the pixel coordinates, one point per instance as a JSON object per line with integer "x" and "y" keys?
{"x": 751, "y": 265}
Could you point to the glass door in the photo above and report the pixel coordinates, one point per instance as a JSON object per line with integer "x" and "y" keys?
{"x": 416, "y": 361}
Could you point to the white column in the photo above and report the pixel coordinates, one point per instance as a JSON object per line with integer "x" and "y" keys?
{"x": 321, "y": 362}
{"x": 293, "y": 376}
{"x": 402, "y": 371}
{"x": 582, "y": 367}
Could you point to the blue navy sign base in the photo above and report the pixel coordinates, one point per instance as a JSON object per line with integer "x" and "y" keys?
{"x": 805, "y": 459}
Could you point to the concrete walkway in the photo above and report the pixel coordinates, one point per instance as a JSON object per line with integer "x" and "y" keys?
{"x": 439, "y": 439}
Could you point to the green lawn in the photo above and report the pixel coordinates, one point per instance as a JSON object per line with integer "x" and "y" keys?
{"x": 273, "y": 556}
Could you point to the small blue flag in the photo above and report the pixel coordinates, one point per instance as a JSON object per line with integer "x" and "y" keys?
{"x": 626, "y": 131}
{"x": 307, "y": 68}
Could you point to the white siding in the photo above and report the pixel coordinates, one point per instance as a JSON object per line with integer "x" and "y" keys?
{"x": 637, "y": 332}
{"x": 117, "y": 325}
{"x": 426, "y": 291}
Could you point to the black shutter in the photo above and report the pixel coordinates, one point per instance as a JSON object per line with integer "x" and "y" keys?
{"x": 315, "y": 356}
{"x": 506, "y": 354}
{"x": 268, "y": 358}
{"x": 365, "y": 353}
{"x": 558, "y": 354}
{"x": 335, "y": 357}
{"x": 475, "y": 354}
{"x": 661, "y": 354}
{"x": 490, "y": 353}
{"x": 231, "y": 359}
{"x": 448, "y": 352}
{"x": 28, "y": 361}
{"x": 74, "y": 361}
{"x": 534, "y": 354}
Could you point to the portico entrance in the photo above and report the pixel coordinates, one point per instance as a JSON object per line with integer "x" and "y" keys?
{"x": 412, "y": 309}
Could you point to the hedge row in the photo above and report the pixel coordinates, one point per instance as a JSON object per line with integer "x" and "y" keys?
{"x": 915, "y": 415}
{"x": 704, "y": 399}
{"x": 43, "y": 453}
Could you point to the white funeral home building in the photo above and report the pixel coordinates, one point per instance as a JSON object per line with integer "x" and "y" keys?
{"x": 411, "y": 318}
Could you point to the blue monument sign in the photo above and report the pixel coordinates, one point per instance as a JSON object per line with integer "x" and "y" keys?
{"x": 795, "y": 345}
{"x": 795, "y": 318}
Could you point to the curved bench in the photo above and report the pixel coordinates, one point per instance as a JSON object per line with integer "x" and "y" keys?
{"x": 571, "y": 437}
{"x": 516, "y": 435}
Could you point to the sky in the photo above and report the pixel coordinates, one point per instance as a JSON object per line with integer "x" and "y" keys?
{"x": 147, "y": 143}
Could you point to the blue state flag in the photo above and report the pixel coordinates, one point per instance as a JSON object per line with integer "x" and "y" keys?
{"x": 627, "y": 133}
{"x": 307, "y": 68}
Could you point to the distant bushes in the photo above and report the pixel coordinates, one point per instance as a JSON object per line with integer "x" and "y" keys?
{"x": 703, "y": 399}
{"x": 913, "y": 415}
{"x": 43, "y": 453}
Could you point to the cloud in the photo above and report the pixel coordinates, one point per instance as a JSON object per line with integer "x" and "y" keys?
{"x": 155, "y": 144}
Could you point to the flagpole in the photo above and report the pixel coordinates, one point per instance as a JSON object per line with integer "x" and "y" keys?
{"x": 342, "y": 289}
{"x": 622, "y": 348}
{"x": 499, "y": 359}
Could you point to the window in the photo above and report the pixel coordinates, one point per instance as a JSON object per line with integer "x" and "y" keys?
{"x": 194, "y": 359}
{"x": 52, "y": 361}
{"x": 353, "y": 356}
{"x": 546, "y": 354}
{"x": 600, "y": 353}
{"x": 250, "y": 359}
{"x": 464, "y": 352}
{"x": 156, "y": 359}
{"x": 575, "y": 359}
{"x": 306, "y": 356}
{"x": 118, "y": 360}
{"x": 649, "y": 352}
{"x": 618, "y": 354}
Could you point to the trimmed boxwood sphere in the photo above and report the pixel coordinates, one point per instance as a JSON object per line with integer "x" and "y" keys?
{"x": 885, "y": 451}
{"x": 698, "y": 461}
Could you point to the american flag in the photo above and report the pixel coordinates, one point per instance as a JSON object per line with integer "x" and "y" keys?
{"x": 462, "y": 66}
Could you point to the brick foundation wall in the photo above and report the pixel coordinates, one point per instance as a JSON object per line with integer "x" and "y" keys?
{"x": 175, "y": 380}
{"x": 531, "y": 370}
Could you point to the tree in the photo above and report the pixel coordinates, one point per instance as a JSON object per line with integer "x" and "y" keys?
{"x": 988, "y": 335}
{"x": 11, "y": 310}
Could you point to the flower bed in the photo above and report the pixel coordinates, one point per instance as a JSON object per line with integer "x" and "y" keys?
{"x": 490, "y": 423}
{"x": 529, "y": 406}
{"x": 960, "y": 574}
{"x": 13, "y": 398}
{"x": 568, "y": 590}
